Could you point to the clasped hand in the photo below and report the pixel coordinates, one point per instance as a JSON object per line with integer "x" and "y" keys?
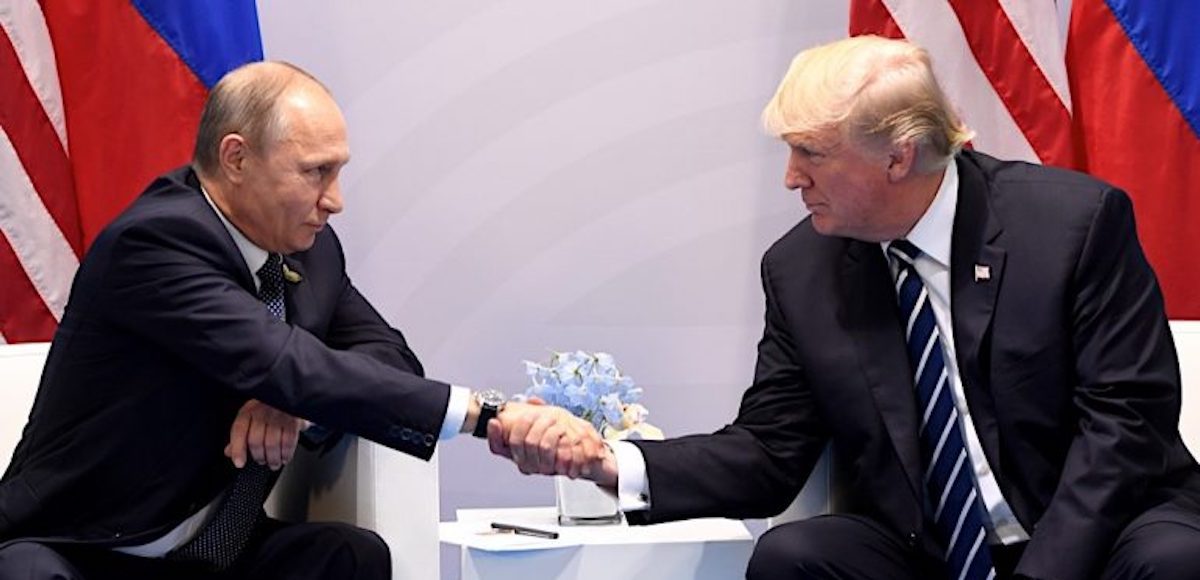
{"x": 266, "y": 433}
{"x": 549, "y": 440}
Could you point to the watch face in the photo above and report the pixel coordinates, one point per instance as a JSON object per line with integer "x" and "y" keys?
{"x": 491, "y": 398}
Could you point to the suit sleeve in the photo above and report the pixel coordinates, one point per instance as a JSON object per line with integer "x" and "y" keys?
{"x": 1126, "y": 400}
{"x": 755, "y": 466}
{"x": 168, "y": 289}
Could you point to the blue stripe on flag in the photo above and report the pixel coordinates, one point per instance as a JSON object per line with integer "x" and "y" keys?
{"x": 1164, "y": 33}
{"x": 210, "y": 37}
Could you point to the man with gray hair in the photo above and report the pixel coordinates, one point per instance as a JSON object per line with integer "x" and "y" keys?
{"x": 203, "y": 324}
{"x": 981, "y": 344}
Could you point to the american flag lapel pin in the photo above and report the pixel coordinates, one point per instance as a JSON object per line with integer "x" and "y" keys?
{"x": 983, "y": 273}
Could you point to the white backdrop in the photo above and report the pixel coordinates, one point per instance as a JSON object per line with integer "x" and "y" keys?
{"x": 547, "y": 174}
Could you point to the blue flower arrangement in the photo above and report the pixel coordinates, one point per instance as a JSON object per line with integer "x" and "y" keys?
{"x": 588, "y": 385}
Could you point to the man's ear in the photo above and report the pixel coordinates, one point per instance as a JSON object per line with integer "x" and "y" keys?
{"x": 902, "y": 161}
{"x": 231, "y": 157}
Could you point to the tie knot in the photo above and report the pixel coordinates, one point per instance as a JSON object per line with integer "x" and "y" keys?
{"x": 904, "y": 251}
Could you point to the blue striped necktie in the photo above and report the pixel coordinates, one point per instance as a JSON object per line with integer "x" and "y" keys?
{"x": 225, "y": 535}
{"x": 957, "y": 514}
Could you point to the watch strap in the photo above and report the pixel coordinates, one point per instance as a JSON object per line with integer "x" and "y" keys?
{"x": 486, "y": 412}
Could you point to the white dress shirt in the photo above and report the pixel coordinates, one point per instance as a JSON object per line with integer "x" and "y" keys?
{"x": 255, "y": 257}
{"x": 931, "y": 235}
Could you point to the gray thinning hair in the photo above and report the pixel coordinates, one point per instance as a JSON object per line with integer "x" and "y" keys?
{"x": 245, "y": 102}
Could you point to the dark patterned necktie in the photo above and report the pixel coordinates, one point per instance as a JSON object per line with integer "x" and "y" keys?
{"x": 957, "y": 514}
{"x": 224, "y": 536}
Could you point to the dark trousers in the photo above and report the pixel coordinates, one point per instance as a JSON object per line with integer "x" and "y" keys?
{"x": 277, "y": 550}
{"x": 1163, "y": 543}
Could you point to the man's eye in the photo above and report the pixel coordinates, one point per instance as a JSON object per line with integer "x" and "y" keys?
{"x": 809, "y": 153}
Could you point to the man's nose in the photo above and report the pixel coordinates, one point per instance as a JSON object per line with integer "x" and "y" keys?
{"x": 331, "y": 201}
{"x": 796, "y": 177}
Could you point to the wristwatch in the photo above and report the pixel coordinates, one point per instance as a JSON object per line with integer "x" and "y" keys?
{"x": 491, "y": 402}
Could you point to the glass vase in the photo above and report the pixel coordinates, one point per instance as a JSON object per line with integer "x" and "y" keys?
{"x": 581, "y": 502}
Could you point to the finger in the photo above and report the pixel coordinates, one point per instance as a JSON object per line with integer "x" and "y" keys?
{"x": 592, "y": 448}
{"x": 273, "y": 440}
{"x": 535, "y": 400}
{"x": 517, "y": 430}
{"x": 291, "y": 437}
{"x": 533, "y": 442}
{"x": 548, "y": 450}
{"x": 255, "y": 439}
{"x": 237, "y": 439}
{"x": 495, "y": 435}
{"x": 577, "y": 457}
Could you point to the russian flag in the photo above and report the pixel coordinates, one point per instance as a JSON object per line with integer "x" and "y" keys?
{"x": 1134, "y": 68}
{"x": 96, "y": 98}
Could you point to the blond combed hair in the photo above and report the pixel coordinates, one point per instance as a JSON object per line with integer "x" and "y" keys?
{"x": 877, "y": 92}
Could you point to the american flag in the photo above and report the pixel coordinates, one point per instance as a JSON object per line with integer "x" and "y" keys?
{"x": 96, "y": 98}
{"x": 1109, "y": 87}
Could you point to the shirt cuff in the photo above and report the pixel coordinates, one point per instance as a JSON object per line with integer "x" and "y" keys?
{"x": 633, "y": 487}
{"x": 456, "y": 412}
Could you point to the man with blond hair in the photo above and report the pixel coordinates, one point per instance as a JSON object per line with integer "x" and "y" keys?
{"x": 980, "y": 343}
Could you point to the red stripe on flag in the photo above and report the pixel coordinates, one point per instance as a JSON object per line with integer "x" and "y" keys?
{"x": 1129, "y": 132}
{"x": 23, "y": 315}
{"x": 132, "y": 106}
{"x": 1015, "y": 75}
{"x": 872, "y": 17}
{"x": 37, "y": 145}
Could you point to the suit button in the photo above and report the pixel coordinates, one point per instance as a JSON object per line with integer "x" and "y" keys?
{"x": 429, "y": 439}
{"x": 406, "y": 434}
{"x": 911, "y": 540}
{"x": 395, "y": 433}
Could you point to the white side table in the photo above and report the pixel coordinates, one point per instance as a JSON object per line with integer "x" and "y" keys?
{"x": 703, "y": 549}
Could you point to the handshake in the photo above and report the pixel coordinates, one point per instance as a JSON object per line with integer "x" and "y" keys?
{"x": 537, "y": 437}
{"x": 549, "y": 440}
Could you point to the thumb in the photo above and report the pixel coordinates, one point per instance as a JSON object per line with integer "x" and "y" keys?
{"x": 495, "y": 436}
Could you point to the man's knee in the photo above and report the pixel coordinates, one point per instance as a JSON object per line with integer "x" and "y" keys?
{"x": 361, "y": 554}
{"x": 1159, "y": 550}
{"x": 835, "y": 546}
{"x": 774, "y": 555}
{"x": 791, "y": 552}
{"x": 33, "y": 561}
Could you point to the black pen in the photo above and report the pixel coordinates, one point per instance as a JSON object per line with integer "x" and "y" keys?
{"x": 524, "y": 531}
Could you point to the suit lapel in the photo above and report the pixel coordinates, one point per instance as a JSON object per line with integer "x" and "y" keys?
{"x": 872, "y": 317}
{"x": 297, "y": 294}
{"x": 976, "y": 272}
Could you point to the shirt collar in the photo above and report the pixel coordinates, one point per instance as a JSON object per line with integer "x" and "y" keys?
{"x": 931, "y": 234}
{"x": 252, "y": 255}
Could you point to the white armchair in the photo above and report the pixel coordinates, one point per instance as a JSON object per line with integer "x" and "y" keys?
{"x": 814, "y": 499}
{"x": 359, "y": 482}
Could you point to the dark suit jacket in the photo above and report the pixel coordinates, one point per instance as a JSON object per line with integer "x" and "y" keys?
{"x": 162, "y": 341}
{"x": 1065, "y": 353}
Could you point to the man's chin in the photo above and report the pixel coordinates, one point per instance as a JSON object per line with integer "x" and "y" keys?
{"x": 302, "y": 245}
{"x": 823, "y": 226}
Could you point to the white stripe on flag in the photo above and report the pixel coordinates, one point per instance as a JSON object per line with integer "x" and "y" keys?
{"x": 25, "y": 26}
{"x": 39, "y": 245}
{"x": 1036, "y": 22}
{"x": 934, "y": 26}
